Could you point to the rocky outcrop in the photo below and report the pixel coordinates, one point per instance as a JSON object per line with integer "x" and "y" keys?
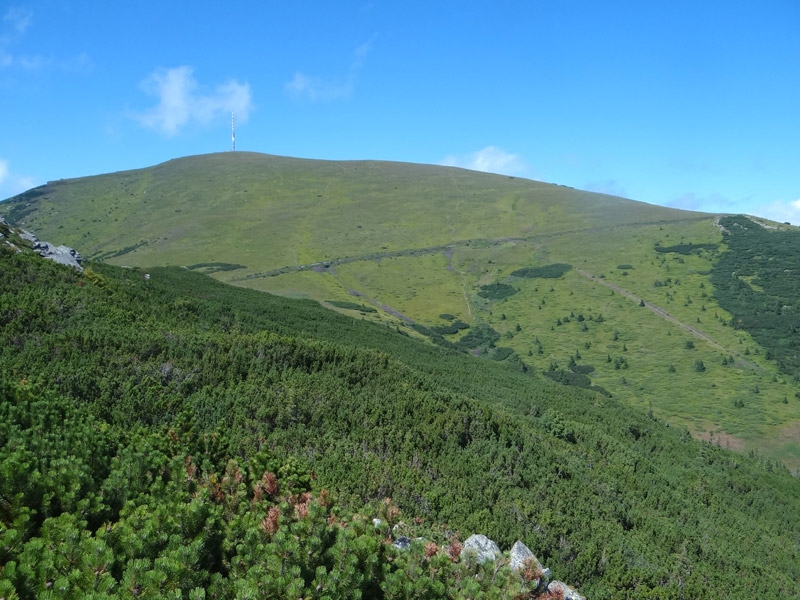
{"x": 402, "y": 543}
{"x": 519, "y": 554}
{"x": 61, "y": 254}
{"x": 520, "y": 558}
{"x": 481, "y": 547}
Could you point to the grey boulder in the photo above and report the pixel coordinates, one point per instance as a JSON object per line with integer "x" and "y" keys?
{"x": 481, "y": 547}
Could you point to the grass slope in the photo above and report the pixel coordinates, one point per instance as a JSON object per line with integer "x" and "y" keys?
{"x": 290, "y": 212}
{"x": 414, "y": 242}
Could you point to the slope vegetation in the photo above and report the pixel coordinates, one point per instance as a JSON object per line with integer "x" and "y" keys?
{"x": 279, "y": 212}
{"x": 469, "y": 260}
{"x": 612, "y": 499}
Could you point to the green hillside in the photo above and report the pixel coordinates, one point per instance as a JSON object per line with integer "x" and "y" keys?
{"x": 639, "y": 315}
{"x": 292, "y": 212}
{"x": 171, "y": 385}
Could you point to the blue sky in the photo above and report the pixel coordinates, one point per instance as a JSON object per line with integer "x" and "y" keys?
{"x": 687, "y": 104}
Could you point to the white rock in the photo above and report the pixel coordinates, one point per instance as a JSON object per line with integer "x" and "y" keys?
{"x": 519, "y": 554}
{"x": 482, "y": 547}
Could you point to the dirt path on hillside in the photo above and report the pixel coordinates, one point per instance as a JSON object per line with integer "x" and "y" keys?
{"x": 376, "y": 303}
{"x": 321, "y": 266}
{"x": 662, "y": 313}
{"x": 328, "y": 266}
{"x": 466, "y": 297}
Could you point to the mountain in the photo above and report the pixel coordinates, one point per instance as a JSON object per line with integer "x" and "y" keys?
{"x": 140, "y": 408}
{"x": 620, "y": 297}
{"x": 293, "y": 212}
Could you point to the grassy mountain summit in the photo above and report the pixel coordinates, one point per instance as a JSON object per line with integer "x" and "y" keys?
{"x": 467, "y": 259}
{"x": 290, "y": 212}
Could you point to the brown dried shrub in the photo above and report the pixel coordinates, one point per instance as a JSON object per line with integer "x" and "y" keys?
{"x": 431, "y": 549}
{"x": 270, "y": 482}
{"x": 301, "y": 510}
{"x": 530, "y": 571}
{"x": 271, "y": 522}
{"x": 454, "y": 549}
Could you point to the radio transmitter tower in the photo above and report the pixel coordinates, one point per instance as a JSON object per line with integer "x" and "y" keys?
{"x": 233, "y": 135}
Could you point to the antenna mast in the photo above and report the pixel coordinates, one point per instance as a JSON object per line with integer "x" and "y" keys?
{"x": 233, "y": 135}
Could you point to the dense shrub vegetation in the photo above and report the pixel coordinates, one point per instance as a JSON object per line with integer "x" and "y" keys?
{"x": 351, "y": 306}
{"x": 141, "y": 417}
{"x": 553, "y": 271}
{"x": 757, "y": 281}
{"x": 481, "y": 336}
{"x": 91, "y": 510}
{"x": 451, "y": 328}
{"x": 214, "y": 267}
{"x": 497, "y": 291}
{"x": 685, "y": 249}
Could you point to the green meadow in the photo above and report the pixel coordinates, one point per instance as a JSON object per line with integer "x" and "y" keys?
{"x": 415, "y": 242}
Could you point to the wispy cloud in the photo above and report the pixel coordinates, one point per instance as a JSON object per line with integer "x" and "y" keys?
{"x": 18, "y": 19}
{"x": 12, "y": 183}
{"x": 490, "y": 159}
{"x": 14, "y": 25}
{"x": 713, "y": 203}
{"x": 314, "y": 88}
{"x": 16, "y": 22}
{"x": 781, "y": 210}
{"x": 611, "y": 187}
{"x": 317, "y": 89}
{"x": 182, "y": 101}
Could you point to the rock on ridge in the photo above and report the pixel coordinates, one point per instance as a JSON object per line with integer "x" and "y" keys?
{"x": 483, "y": 548}
{"x": 61, "y": 254}
{"x": 535, "y": 578}
{"x": 520, "y": 554}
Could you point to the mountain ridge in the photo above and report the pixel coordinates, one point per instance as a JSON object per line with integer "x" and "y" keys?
{"x": 375, "y": 181}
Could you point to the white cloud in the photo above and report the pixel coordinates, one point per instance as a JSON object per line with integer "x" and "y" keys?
{"x": 314, "y": 88}
{"x": 181, "y": 101}
{"x": 491, "y": 159}
{"x": 317, "y": 89}
{"x": 12, "y": 183}
{"x": 781, "y": 211}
